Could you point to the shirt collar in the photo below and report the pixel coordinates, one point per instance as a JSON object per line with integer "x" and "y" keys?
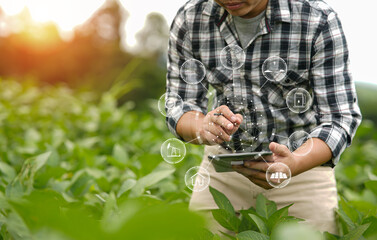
{"x": 210, "y": 7}
{"x": 277, "y": 11}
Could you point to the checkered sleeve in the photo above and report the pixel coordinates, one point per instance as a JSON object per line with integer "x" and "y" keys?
{"x": 193, "y": 95}
{"x": 335, "y": 98}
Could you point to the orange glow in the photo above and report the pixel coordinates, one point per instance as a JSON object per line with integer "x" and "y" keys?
{"x": 66, "y": 14}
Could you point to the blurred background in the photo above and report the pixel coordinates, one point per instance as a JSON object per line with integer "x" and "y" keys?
{"x": 89, "y": 44}
{"x": 79, "y": 84}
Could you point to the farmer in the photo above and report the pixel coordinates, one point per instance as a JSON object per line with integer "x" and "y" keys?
{"x": 303, "y": 41}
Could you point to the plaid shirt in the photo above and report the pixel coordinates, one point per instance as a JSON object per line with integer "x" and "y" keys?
{"x": 306, "y": 34}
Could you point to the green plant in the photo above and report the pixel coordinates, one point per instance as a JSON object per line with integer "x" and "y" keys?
{"x": 265, "y": 222}
{"x": 357, "y": 182}
{"x": 75, "y": 167}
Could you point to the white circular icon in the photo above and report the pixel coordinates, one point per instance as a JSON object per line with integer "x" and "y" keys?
{"x": 197, "y": 179}
{"x": 232, "y": 57}
{"x": 278, "y": 175}
{"x": 192, "y": 71}
{"x": 274, "y": 69}
{"x": 169, "y": 103}
{"x": 299, "y": 100}
{"x": 298, "y": 139}
{"x": 173, "y": 151}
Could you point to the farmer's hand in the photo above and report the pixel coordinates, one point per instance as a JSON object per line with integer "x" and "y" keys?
{"x": 218, "y": 125}
{"x": 255, "y": 171}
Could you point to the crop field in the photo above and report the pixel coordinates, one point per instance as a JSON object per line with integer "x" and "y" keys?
{"x": 75, "y": 165}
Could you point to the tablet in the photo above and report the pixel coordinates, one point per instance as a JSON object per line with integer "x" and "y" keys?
{"x": 224, "y": 162}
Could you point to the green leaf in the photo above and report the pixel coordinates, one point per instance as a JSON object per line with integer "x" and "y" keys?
{"x": 221, "y": 200}
{"x": 226, "y": 219}
{"x": 39, "y": 161}
{"x": 49, "y": 234}
{"x": 228, "y": 235}
{"x": 217, "y": 237}
{"x": 110, "y": 207}
{"x": 161, "y": 221}
{"x": 47, "y": 209}
{"x": 204, "y": 234}
{"x": 264, "y": 207}
{"x": 88, "y": 142}
{"x": 14, "y": 189}
{"x": 150, "y": 179}
{"x": 125, "y": 212}
{"x": 127, "y": 185}
{"x": 277, "y": 217}
{"x": 329, "y": 236}
{"x": 80, "y": 183}
{"x": 349, "y": 210}
{"x": 7, "y": 172}
{"x": 372, "y": 185}
{"x": 347, "y": 222}
{"x": 371, "y": 232}
{"x": 17, "y": 228}
{"x": 120, "y": 155}
{"x": 251, "y": 235}
{"x": 295, "y": 231}
{"x": 246, "y": 223}
{"x": 260, "y": 223}
{"x": 356, "y": 233}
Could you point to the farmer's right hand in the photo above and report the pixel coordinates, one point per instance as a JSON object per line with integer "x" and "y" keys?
{"x": 216, "y": 129}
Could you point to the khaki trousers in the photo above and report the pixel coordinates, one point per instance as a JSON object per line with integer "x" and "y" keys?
{"x": 313, "y": 193}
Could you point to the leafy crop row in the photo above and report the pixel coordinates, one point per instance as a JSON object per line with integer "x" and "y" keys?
{"x": 77, "y": 166}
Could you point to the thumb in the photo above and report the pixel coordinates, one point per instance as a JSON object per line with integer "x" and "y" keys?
{"x": 279, "y": 149}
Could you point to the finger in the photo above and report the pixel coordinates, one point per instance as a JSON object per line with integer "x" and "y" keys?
{"x": 218, "y": 132}
{"x": 223, "y": 122}
{"x": 253, "y": 174}
{"x": 237, "y": 124}
{"x": 227, "y": 113}
{"x": 258, "y": 179}
{"x": 211, "y": 139}
{"x": 250, "y": 173}
{"x": 262, "y": 158}
{"x": 265, "y": 158}
{"x": 279, "y": 149}
{"x": 237, "y": 167}
{"x": 256, "y": 165}
{"x": 239, "y": 119}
